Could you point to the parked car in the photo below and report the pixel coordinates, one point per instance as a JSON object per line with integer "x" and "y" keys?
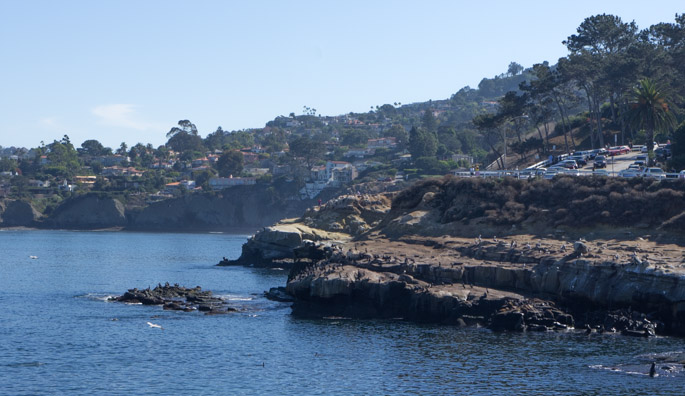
{"x": 618, "y": 150}
{"x": 594, "y": 153}
{"x": 583, "y": 154}
{"x": 663, "y": 153}
{"x": 570, "y": 172}
{"x": 654, "y": 173}
{"x": 644, "y": 148}
{"x": 580, "y": 160}
{"x": 568, "y": 164}
{"x": 640, "y": 163}
{"x": 629, "y": 173}
{"x": 642, "y": 157}
{"x": 681, "y": 175}
{"x": 600, "y": 172}
{"x": 600, "y": 162}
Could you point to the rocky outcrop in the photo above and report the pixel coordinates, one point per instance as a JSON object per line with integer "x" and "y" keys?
{"x": 177, "y": 298}
{"x": 434, "y": 255}
{"x": 279, "y": 244}
{"x": 504, "y": 287}
{"x": 88, "y": 212}
{"x": 18, "y": 213}
{"x": 336, "y": 222}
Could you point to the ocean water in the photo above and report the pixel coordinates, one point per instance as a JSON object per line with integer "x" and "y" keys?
{"x": 59, "y": 335}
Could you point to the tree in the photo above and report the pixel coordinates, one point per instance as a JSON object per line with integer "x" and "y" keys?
{"x": 422, "y": 143}
{"x": 92, "y": 147}
{"x": 230, "y": 163}
{"x": 63, "y": 158}
{"x": 308, "y": 149}
{"x": 428, "y": 121}
{"x": 215, "y": 140}
{"x": 490, "y": 126}
{"x": 514, "y": 69}
{"x": 399, "y": 133}
{"x": 238, "y": 140}
{"x": 122, "y": 150}
{"x": 598, "y": 62}
{"x": 184, "y": 126}
{"x": 548, "y": 92}
{"x": 602, "y": 34}
{"x": 448, "y": 138}
{"x": 650, "y": 110}
{"x": 677, "y": 161}
{"x": 354, "y": 137}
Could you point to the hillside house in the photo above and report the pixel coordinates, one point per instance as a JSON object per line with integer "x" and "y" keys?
{"x": 219, "y": 183}
{"x": 385, "y": 142}
{"x": 333, "y": 174}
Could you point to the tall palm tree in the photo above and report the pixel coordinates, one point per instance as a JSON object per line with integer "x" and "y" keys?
{"x": 649, "y": 109}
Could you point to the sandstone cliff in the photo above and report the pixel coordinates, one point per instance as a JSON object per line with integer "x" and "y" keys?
{"x": 17, "y": 213}
{"x": 236, "y": 208}
{"x": 88, "y": 212}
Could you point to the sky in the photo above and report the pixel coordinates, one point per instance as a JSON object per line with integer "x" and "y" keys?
{"x": 129, "y": 70}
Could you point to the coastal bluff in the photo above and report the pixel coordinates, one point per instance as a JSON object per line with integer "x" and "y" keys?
{"x": 463, "y": 252}
{"x": 236, "y": 209}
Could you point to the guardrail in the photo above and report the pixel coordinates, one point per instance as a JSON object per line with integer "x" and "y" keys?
{"x": 529, "y": 173}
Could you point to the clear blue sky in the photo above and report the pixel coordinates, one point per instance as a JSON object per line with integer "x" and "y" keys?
{"x": 129, "y": 70}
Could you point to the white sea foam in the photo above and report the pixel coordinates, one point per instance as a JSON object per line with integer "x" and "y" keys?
{"x": 234, "y": 297}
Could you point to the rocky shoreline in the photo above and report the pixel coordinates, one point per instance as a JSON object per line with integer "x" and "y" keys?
{"x": 521, "y": 281}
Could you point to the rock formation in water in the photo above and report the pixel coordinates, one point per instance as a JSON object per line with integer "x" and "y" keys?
{"x": 463, "y": 252}
{"x": 177, "y": 298}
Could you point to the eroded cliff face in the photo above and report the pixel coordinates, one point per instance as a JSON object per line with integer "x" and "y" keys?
{"x": 239, "y": 209}
{"x": 88, "y": 212}
{"x": 246, "y": 208}
{"x": 15, "y": 213}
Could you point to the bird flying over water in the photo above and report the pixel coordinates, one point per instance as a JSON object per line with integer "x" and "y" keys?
{"x": 156, "y": 326}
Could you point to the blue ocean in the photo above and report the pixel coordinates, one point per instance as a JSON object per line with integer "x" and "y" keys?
{"x": 60, "y": 336}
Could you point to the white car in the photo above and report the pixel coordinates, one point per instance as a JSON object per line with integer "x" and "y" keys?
{"x": 600, "y": 172}
{"x": 644, "y": 148}
{"x": 654, "y": 173}
{"x": 681, "y": 175}
{"x": 629, "y": 173}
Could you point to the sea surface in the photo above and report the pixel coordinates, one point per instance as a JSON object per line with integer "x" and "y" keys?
{"x": 60, "y": 336}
